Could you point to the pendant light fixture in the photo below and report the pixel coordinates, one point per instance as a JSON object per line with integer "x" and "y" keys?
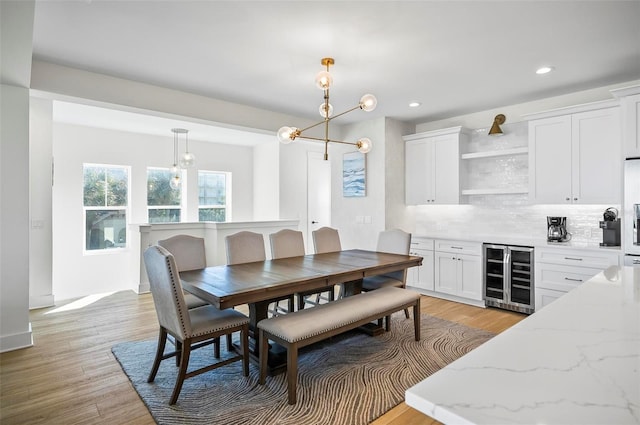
{"x": 324, "y": 80}
{"x": 176, "y": 172}
{"x": 497, "y": 122}
{"x": 188, "y": 159}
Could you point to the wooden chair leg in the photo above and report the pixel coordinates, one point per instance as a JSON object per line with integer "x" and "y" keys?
{"x": 406, "y": 313}
{"x": 178, "y": 352}
{"x": 387, "y": 320}
{"x": 291, "y": 304}
{"x": 292, "y": 372}
{"x": 416, "y": 320}
{"x": 300, "y": 302}
{"x": 244, "y": 340}
{"x": 263, "y": 356}
{"x": 229, "y": 342}
{"x": 184, "y": 362}
{"x": 162, "y": 341}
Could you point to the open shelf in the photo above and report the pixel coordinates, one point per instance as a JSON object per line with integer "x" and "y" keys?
{"x": 490, "y": 154}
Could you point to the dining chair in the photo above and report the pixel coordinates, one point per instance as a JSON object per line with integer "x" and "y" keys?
{"x": 191, "y": 328}
{"x": 327, "y": 239}
{"x": 290, "y": 243}
{"x": 393, "y": 241}
{"x": 248, "y": 247}
{"x": 189, "y": 254}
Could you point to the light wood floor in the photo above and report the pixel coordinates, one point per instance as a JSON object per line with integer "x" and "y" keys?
{"x": 70, "y": 376}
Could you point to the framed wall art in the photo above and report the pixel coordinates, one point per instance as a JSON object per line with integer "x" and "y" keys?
{"x": 353, "y": 175}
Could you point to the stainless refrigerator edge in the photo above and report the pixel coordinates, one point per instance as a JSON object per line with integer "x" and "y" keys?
{"x": 631, "y": 221}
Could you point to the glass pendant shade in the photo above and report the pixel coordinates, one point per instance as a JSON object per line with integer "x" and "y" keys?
{"x": 326, "y": 110}
{"x": 368, "y": 102}
{"x": 285, "y": 133}
{"x": 188, "y": 160}
{"x": 175, "y": 181}
{"x": 324, "y": 80}
{"x": 364, "y": 145}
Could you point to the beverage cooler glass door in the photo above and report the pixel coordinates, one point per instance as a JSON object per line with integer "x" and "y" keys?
{"x": 521, "y": 283}
{"x": 495, "y": 272}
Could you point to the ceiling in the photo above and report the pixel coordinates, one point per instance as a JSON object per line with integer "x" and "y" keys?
{"x": 455, "y": 57}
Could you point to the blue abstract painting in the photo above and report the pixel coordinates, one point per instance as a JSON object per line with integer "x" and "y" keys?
{"x": 353, "y": 174}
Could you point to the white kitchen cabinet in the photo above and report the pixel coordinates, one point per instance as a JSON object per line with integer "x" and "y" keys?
{"x": 576, "y": 158}
{"x": 630, "y": 108}
{"x": 559, "y": 270}
{"x": 458, "y": 269}
{"x": 432, "y": 167}
{"x": 421, "y": 277}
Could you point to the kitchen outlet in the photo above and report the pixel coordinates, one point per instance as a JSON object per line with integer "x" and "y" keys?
{"x": 367, "y": 219}
{"x": 359, "y": 219}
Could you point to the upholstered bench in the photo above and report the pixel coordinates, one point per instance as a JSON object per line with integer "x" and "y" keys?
{"x": 303, "y": 327}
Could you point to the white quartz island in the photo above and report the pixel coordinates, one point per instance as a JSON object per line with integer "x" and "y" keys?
{"x": 577, "y": 361}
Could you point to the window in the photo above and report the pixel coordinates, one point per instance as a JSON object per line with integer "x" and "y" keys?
{"x": 163, "y": 202}
{"x": 105, "y": 206}
{"x": 213, "y": 190}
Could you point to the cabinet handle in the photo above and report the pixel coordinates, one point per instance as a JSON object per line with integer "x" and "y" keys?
{"x": 572, "y": 258}
{"x": 568, "y": 199}
{"x": 457, "y": 247}
{"x": 573, "y": 280}
{"x": 575, "y": 199}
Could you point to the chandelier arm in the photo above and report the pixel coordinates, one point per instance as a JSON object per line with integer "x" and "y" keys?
{"x": 343, "y": 113}
{"x": 318, "y": 139}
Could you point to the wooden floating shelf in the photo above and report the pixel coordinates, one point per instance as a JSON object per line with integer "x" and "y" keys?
{"x": 490, "y": 154}
{"x": 495, "y": 191}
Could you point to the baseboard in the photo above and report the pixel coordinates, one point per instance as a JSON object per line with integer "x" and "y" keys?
{"x": 16, "y": 341}
{"x": 41, "y": 301}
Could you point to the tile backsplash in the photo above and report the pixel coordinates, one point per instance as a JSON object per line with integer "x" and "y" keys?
{"x": 503, "y": 214}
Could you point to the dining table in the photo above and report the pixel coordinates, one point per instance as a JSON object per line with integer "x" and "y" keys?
{"x": 259, "y": 283}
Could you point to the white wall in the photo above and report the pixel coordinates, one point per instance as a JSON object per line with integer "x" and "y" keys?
{"x": 40, "y": 209}
{"x": 76, "y": 274}
{"x": 266, "y": 181}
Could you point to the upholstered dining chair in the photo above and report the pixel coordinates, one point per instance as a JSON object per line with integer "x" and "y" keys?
{"x": 327, "y": 239}
{"x": 189, "y": 254}
{"x": 248, "y": 247}
{"x": 290, "y": 243}
{"x": 191, "y": 328}
{"x": 393, "y": 241}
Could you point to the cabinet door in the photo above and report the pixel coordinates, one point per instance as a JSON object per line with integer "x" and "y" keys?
{"x": 631, "y": 125}
{"x": 545, "y": 297}
{"x": 470, "y": 276}
{"x": 446, "y": 273}
{"x": 419, "y": 172}
{"x": 550, "y": 160}
{"x": 597, "y": 158}
{"x": 425, "y": 273}
{"x": 446, "y": 166}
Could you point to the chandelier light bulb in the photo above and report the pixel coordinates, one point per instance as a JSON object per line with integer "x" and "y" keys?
{"x": 326, "y": 110}
{"x": 364, "y": 145}
{"x": 368, "y": 102}
{"x": 286, "y": 134}
{"x": 324, "y": 80}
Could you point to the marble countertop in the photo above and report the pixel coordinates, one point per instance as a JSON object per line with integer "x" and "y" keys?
{"x": 577, "y": 361}
{"x": 537, "y": 242}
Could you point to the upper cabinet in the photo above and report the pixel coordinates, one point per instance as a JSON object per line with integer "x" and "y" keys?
{"x": 630, "y": 108}
{"x": 576, "y": 158}
{"x": 432, "y": 166}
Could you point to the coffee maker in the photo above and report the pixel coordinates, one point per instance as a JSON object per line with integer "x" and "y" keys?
{"x": 556, "y": 229}
{"x": 610, "y": 228}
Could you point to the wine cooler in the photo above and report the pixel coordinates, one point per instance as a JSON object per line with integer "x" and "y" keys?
{"x": 508, "y": 277}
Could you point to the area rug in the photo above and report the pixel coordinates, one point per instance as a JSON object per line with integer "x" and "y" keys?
{"x": 350, "y": 379}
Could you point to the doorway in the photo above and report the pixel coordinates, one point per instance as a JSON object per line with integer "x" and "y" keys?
{"x": 318, "y": 195}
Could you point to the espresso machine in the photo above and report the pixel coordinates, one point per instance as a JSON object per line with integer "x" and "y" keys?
{"x": 610, "y": 226}
{"x": 557, "y": 229}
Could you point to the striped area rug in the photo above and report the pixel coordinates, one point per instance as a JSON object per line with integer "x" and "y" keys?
{"x": 351, "y": 379}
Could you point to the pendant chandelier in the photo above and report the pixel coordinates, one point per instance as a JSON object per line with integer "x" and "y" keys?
{"x": 324, "y": 80}
{"x": 187, "y": 160}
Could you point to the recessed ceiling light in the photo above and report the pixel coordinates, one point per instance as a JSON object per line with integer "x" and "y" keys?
{"x": 414, "y": 104}
{"x": 544, "y": 70}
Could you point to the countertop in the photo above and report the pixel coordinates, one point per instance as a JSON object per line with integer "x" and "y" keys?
{"x": 577, "y": 361}
{"x": 537, "y": 242}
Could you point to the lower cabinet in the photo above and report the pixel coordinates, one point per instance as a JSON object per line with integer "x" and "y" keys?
{"x": 422, "y": 277}
{"x": 558, "y": 270}
{"x": 458, "y": 271}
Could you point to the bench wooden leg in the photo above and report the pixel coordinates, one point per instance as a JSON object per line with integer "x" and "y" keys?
{"x": 416, "y": 319}
{"x": 292, "y": 372}
{"x": 263, "y": 356}
{"x": 387, "y": 325}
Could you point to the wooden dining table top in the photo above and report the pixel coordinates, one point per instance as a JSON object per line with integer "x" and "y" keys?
{"x": 228, "y": 286}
